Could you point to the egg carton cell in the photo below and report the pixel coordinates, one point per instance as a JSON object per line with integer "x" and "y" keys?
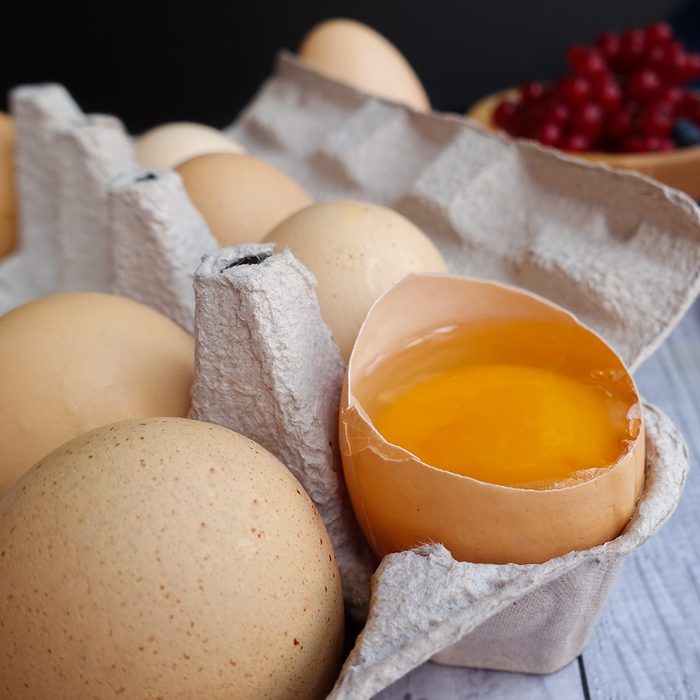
{"x": 509, "y": 211}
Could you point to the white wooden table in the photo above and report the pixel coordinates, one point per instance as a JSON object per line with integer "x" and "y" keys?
{"x": 646, "y": 645}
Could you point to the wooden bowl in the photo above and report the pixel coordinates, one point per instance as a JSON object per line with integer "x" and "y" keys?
{"x": 679, "y": 169}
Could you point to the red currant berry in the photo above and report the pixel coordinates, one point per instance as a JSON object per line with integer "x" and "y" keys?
{"x": 688, "y": 98}
{"x": 642, "y": 144}
{"x": 650, "y": 143}
{"x": 575, "y": 54}
{"x": 692, "y": 67}
{"x": 531, "y": 91}
{"x": 632, "y": 45}
{"x": 658, "y": 33}
{"x": 674, "y": 47}
{"x": 574, "y": 88}
{"x": 503, "y": 114}
{"x": 548, "y": 97}
{"x": 644, "y": 85}
{"x": 531, "y": 115}
{"x": 633, "y": 109}
{"x": 656, "y": 120}
{"x": 587, "y": 120}
{"x": 607, "y": 93}
{"x": 586, "y": 60}
{"x": 548, "y": 133}
{"x": 689, "y": 107}
{"x": 655, "y": 56}
{"x": 576, "y": 143}
{"x": 609, "y": 45}
{"x": 674, "y": 66}
{"x": 673, "y": 95}
{"x": 515, "y": 126}
{"x": 619, "y": 124}
{"x": 559, "y": 113}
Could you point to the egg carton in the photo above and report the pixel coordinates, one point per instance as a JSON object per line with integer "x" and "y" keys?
{"x": 616, "y": 249}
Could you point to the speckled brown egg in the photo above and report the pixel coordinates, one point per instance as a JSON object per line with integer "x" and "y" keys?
{"x": 239, "y": 196}
{"x": 165, "y": 558}
{"x": 72, "y": 362}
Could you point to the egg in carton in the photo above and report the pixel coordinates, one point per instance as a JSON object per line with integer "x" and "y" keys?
{"x": 618, "y": 250}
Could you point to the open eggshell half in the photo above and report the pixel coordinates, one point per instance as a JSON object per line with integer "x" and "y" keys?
{"x": 401, "y": 502}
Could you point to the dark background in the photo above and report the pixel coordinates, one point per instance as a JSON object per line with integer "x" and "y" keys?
{"x": 202, "y": 61}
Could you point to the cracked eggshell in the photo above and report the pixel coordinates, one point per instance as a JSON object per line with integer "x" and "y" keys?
{"x": 166, "y": 558}
{"x": 401, "y": 502}
{"x": 8, "y": 206}
{"x": 240, "y": 197}
{"x": 168, "y": 145}
{"x": 357, "y": 251}
{"x": 73, "y": 362}
{"x": 357, "y": 55}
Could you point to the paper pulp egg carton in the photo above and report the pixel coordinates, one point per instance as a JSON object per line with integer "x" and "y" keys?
{"x": 618, "y": 250}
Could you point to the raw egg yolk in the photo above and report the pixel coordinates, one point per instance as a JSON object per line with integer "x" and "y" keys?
{"x": 526, "y": 424}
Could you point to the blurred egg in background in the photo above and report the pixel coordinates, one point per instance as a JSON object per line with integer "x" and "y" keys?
{"x": 8, "y": 213}
{"x": 356, "y": 251}
{"x": 72, "y": 362}
{"x": 355, "y": 54}
{"x": 168, "y": 145}
{"x": 240, "y": 197}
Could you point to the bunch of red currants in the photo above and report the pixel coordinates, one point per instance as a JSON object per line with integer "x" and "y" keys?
{"x": 624, "y": 95}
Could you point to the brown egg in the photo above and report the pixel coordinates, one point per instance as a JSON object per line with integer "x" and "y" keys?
{"x": 357, "y": 251}
{"x": 168, "y": 145}
{"x": 355, "y": 54}
{"x": 8, "y": 212}
{"x": 240, "y": 197}
{"x": 166, "y": 558}
{"x": 72, "y": 362}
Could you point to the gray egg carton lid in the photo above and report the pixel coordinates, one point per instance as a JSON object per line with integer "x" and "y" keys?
{"x": 619, "y": 250}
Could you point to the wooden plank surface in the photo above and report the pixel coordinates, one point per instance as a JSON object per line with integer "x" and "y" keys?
{"x": 646, "y": 645}
{"x": 433, "y": 682}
